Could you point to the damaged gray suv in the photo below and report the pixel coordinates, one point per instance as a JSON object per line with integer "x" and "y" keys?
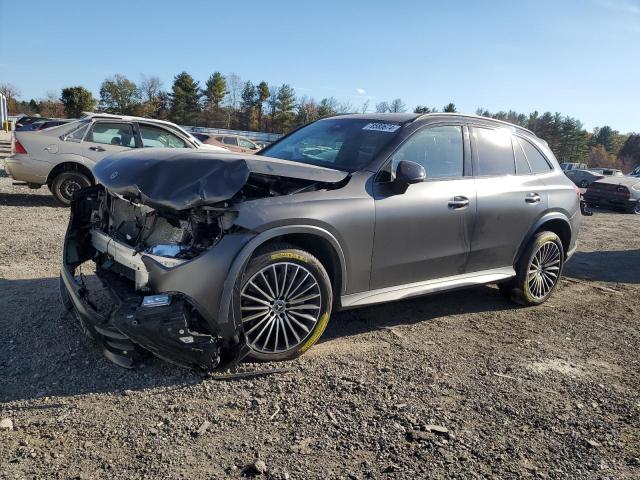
{"x": 208, "y": 257}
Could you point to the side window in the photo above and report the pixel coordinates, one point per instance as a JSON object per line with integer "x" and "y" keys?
{"x": 538, "y": 163}
{"x": 522, "y": 166}
{"x": 494, "y": 152}
{"x": 245, "y": 143}
{"x": 159, "y": 137}
{"x": 438, "y": 149}
{"x": 111, "y": 133}
{"x": 230, "y": 141}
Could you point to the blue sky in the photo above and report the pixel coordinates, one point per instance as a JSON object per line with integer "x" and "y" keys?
{"x": 579, "y": 57}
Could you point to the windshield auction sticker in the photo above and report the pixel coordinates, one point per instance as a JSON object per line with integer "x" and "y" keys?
{"x": 382, "y": 127}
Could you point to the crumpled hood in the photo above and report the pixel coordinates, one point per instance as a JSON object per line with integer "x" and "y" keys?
{"x": 185, "y": 178}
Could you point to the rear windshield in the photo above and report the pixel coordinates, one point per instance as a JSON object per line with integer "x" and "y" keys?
{"x": 344, "y": 144}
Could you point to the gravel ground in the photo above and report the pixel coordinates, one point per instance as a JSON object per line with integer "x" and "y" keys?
{"x": 460, "y": 385}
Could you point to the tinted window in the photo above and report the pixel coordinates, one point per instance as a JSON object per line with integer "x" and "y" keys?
{"x": 495, "y": 154}
{"x": 522, "y": 166}
{"x": 538, "y": 163}
{"x": 159, "y": 137}
{"x": 230, "y": 141}
{"x": 109, "y": 133}
{"x": 438, "y": 149}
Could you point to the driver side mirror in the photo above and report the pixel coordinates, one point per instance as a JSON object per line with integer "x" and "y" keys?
{"x": 408, "y": 173}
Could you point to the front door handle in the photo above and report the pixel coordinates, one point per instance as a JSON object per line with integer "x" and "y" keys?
{"x": 532, "y": 198}
{"x": 97, "y": 149}
{"x": 458, "y": 202}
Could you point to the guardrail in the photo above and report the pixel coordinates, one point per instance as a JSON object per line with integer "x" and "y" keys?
{"x": 255, "y": 136}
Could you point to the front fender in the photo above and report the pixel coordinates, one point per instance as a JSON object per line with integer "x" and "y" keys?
{"x": 237, "y": 267}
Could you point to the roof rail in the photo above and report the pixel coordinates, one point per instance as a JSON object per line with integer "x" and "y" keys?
{"x": 478, "y": 117}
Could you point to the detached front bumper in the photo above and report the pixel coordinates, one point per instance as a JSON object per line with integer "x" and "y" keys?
{"x": 185, "y": 327}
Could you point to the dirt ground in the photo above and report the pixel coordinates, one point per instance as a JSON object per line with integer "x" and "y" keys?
{"x": 457, "y": 385}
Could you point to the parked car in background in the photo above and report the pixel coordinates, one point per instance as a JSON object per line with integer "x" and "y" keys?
{"x": 572, "y": 165}
{"x": 28, "y": 119}
{"x": 616, "y": 192}
{"x": 218, "y": 256}
{"x": 234, "y": 143}
{"x": 583, "y": 178}
{"x": 63, "y": 157}
{"x": 608, "y": 172}
{"x": 42, "y": 125}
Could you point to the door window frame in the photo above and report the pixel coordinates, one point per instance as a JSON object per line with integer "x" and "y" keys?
{"x": 386, "y": 175}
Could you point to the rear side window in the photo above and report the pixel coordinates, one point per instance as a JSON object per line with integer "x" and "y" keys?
{"x": 522, "y": 166}
{"x": 438, "y": 149}
{"x": 230, "y": 141}
{"x": 494, "y": 152}
{"x": 538, "y": 163}
{"x": 78, "y": 134}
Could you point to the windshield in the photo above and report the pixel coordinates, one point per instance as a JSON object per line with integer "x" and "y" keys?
{"x": 344, "y": 144}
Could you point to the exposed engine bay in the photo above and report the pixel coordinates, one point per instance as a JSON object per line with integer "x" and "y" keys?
{"x": 162, "y": 237}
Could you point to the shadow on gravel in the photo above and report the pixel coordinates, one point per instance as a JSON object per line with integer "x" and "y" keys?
{"x": 44, "y": 353}
{"x": 420, "y": 309}
{"x": 621, "y": 266}
{"x": 29, "y": 200}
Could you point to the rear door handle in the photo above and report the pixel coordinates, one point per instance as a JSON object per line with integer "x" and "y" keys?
{"x": 532, "y": 198}
{"x": 458, "y": 202}
{"x": 97, "y": 149}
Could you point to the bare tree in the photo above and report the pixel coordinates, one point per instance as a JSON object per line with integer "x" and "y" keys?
{"x": 364, "y": 108}
{"x": 10, "y": 91}
{"x": 382, "y": 107}
{"x": 150, "y": 87}
{"x": 397, "y": 106}
{"x": 345, "y": 107}
{"x": 51, "y": 106}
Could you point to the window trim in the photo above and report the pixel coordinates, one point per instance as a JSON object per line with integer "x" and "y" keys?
{"x": 467, "y": 168}
{"x": 549, "y": 164}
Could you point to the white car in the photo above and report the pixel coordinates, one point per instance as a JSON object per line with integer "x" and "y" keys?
{"x": 62, "y": 157}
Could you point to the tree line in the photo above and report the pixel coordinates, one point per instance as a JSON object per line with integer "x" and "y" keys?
{"x": 227, "y": 101}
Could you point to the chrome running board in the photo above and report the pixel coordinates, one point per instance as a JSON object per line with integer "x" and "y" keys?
{"x": 409, "y": 290}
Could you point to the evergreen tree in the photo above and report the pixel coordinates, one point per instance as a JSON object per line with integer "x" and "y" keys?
{"x": 450, "y": 108}
{"x": 215, "y": 91}
{"x": 248, "y": 103}
{"x": 263, "y": 95}
{"x": 285, "y": 105}
{"x": 185, "y": 98}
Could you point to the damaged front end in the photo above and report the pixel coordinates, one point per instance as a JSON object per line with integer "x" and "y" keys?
{"x": 147, "y": 255}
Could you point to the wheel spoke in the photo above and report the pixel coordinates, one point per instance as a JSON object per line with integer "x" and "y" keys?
{"x": 252, "y": 329}
{"x": 265, "y": 295}
{"x": 305, "y": 299}
{"x": 254, "y": 316}
{"x": 291, "y": 328}
{"x": 273, "y": 295}
{"x": 251, "y": 297}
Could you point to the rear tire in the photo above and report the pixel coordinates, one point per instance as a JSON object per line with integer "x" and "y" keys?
{"x": 537, "y": 272}
{"x": 284, "y": 301}
{"x": 66, "y": 184}
{"x": 635, "y": 209}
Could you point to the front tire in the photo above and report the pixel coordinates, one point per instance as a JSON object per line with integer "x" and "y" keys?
{"x": 284, "y": 302}
{"x": 66, "y": 184}
{"x": 537, "y": 272}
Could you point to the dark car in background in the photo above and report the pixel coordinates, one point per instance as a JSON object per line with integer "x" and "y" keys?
{"x": 43, "y": 124}
{"x": 28, "y": 119}
{"x": 583, "y": 178}
{"x": 616, "y": 192}
{"x": 209, "y": 257}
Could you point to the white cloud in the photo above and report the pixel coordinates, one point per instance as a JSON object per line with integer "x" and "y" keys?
{"x": 360, "y": 91}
